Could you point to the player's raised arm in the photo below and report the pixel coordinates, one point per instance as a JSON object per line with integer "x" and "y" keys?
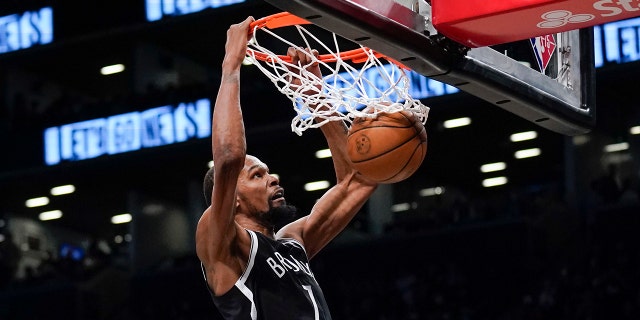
{"x": 335, "y": 209}
{"x": 219, "y": 244}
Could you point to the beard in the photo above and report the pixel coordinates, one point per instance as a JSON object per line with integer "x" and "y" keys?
{"x": 278, "y": 217}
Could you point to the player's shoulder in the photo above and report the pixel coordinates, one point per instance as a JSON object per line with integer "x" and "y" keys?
{"x": 292, "y": 230}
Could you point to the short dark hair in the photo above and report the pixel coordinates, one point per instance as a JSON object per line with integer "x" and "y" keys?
{"x": 207, "y": 186}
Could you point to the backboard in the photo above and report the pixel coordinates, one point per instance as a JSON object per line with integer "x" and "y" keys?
{"x": 559, "y": 97}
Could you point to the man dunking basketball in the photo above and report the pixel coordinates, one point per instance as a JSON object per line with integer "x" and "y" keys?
{"x": 251, "y": 271}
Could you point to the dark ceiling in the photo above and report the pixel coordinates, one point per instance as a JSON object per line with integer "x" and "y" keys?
{"x": 104, "y": 184}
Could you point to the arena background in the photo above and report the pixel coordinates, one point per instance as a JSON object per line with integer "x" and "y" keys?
{"x": 559, "y": 240}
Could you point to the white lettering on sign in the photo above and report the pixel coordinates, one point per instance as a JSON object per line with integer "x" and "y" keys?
{"x": 158, "y": 9}
{"x": 124, "y": 133}
{"x": 616, "y": 7}
{"x": 603, "y": 8}
{"x": 158, "y": 127}
{"x": 617, "y": 42}
{"x": 420, "y": 87}
{"x": 128, "y": 132}
{"x": 24, "y": 30}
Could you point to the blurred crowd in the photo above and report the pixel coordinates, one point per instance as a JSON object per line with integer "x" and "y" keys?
{"x": 521, "y": 254}
{"x": 545, "y": 262}
{"x": 37, "y": 109}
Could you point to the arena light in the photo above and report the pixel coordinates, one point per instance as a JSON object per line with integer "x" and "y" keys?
{"x": 527, "y": 153}
{"x": 114, "y": 68}
{"x": 189, "y": 120}
{"x": 37, "y": 202}
{"x": 493, "y": 182}
{"x": 50, "y": 215}
{"x": 120, "y": 239}
{"x": 492, "y": 167}
{"x": 65, "y": 189}
{"x": 428, "y": 192}
{"x": 523, "y": 136}
{"x": 455, "y": 123}
{"x": 121, "y": 218}
{"x": 635, "y": 130}
{"x": 324, "y": 153}
{"x": 398, "y": 207}
{"x": 316, "y": 185}
{"x": 580, "y": 140}
{"x": 616, "y": 147}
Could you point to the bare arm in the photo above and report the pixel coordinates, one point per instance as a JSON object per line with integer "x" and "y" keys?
{"x": 337, "y": 207}
{"x": 219, "y": 243}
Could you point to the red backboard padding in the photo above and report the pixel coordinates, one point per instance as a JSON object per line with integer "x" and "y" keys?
{"x": 478, "y": 23}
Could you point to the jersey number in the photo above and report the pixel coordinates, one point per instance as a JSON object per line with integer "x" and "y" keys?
{"x": 313, "y": 300}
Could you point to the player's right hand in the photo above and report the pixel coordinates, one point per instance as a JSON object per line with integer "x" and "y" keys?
{"x": 236, "y": 46}
{"x": 303, "y": 59}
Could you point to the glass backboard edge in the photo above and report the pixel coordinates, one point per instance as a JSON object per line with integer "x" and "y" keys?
{"x": 547, "y": 103}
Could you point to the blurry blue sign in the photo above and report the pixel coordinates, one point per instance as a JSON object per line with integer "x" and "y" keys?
{"x": 617, "y": 42}
{"x": 23, "y": 30}
{"x": 158, "y": 9}
{"x": 420, "y": 87}
{"x": 128, "y": 132}
{"x": 71, "y": 252}
{"x": 423, "y": 87}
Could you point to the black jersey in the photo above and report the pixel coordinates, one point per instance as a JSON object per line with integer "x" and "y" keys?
{"x": 277, "y": 284}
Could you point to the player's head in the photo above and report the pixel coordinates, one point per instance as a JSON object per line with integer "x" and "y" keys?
{"x": 258, "y": 193}
{"x": 258, "y": 190}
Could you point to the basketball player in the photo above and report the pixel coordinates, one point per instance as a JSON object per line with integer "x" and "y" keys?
{"x": 251, "y": 271}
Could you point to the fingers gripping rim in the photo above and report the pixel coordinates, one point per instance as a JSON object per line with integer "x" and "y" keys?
{"x": 354, "y": 83}
{"x": 286, "y": 19}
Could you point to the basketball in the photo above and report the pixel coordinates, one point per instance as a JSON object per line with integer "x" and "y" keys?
{"x": 388, "y": 148}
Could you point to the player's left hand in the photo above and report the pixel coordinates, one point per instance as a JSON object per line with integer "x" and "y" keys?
{"x": 305, "y": 61}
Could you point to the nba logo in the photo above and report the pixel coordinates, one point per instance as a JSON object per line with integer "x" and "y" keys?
{"x": 543, "y": 49}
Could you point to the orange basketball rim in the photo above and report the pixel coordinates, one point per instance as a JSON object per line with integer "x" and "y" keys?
{"x": 286, "y": 19}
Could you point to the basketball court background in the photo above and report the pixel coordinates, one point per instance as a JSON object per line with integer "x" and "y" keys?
{"x": 460, "y": 240}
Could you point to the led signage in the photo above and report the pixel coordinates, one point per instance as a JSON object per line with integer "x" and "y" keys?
{"x": 23, "y": 30}
{"x": 617, "y": 42}
{"x": 128, "y": 132}
{"x": 158, "y": 9}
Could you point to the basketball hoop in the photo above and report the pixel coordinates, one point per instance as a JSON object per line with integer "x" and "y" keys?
{"x": 356, "y": 83}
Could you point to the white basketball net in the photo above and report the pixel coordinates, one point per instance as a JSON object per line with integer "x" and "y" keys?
{"x": 345, "y": 92}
